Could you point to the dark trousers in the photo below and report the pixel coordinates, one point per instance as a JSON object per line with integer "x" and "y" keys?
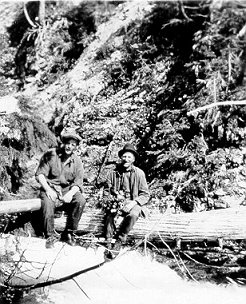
{"x": 129, "y": 220}
{"x": 74, "y": 211}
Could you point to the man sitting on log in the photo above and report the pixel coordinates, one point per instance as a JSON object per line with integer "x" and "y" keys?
{"x": 60, "y": 174}
{"x": 126, "y": 193}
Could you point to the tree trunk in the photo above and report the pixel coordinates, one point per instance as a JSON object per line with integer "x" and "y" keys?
{"x": 211, "y": 225}
{"x": 23, "y": 205}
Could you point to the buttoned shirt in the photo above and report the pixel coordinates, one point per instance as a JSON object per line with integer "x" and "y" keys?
{"x": 125, "y": 183}
{"x": 58, "y": 173}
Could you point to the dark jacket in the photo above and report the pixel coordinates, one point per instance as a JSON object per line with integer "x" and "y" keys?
{"x": 139, "y": 191}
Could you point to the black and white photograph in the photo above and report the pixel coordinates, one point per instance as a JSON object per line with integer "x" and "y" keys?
{"x": 123, "y": 152}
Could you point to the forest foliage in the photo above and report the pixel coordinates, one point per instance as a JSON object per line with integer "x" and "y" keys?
{"x": 181, "y": 56}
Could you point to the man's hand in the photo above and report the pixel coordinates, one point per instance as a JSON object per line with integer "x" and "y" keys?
{"x": 67, "y": 198}
{"x": 129, "y": 205}
{"x": 51, "y": 194}
{"x": 120, "y": 197}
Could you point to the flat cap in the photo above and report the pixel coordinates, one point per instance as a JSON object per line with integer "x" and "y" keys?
{"x": 70, "y": 135}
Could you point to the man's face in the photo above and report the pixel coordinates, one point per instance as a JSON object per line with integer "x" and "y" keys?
{"x": 70, "y": 146}
{"x": 127, "y": 159}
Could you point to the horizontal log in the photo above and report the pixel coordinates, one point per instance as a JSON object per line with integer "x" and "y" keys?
{"x": 211, "y": 225}
{"x": 23, "y": 205}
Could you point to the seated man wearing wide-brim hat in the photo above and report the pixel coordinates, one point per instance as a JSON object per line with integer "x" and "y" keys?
{"x": 126, "y": 193}
{"x": 60, "y": 174}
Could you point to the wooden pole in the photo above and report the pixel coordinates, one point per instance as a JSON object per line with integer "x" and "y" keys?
{"x": 23, "y": 205}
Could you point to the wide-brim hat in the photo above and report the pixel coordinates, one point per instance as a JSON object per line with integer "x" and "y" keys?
{"x": 128, "y": 148}
{"x": 70, "y": 135}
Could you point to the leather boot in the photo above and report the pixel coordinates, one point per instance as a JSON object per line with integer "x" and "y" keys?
{"x": 69, "y": 238}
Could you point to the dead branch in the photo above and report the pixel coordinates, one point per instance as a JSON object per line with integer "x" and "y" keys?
{"x": 191, "y": 7}
{"x": 187, "y": 270}
{"x": 169, "y": 248}
{"x": 81, "y": 288}
{"x": 216, "y": 104}
{"x": 207, "y": 265}
{"x": 53, "y": 263}
{"x": 181, "y": 6}
{"x": 27, "y": 16}
{"x": 57, "y": 281}
{"x": 16, "y": 265}
{"x": 199, "y": 15}
{"x": 105, "y": 158}
{"x": 130, "y": 94}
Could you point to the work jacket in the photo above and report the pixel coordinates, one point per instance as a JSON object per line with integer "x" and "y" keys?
{"x": 139, "y": 191}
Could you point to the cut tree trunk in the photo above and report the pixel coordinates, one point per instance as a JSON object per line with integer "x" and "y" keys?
{"x": 211, "y": 225}
{"x": 23, "y": 205}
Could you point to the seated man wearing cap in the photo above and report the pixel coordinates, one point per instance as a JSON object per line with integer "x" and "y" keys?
{"x": 60, "y": 174}
{"x": 126, "y": 185}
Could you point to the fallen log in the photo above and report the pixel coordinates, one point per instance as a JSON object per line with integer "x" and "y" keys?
{"x": 228, "y": 224}
{"x": 23, "y": 205}
{"x": 198, "y": 226}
